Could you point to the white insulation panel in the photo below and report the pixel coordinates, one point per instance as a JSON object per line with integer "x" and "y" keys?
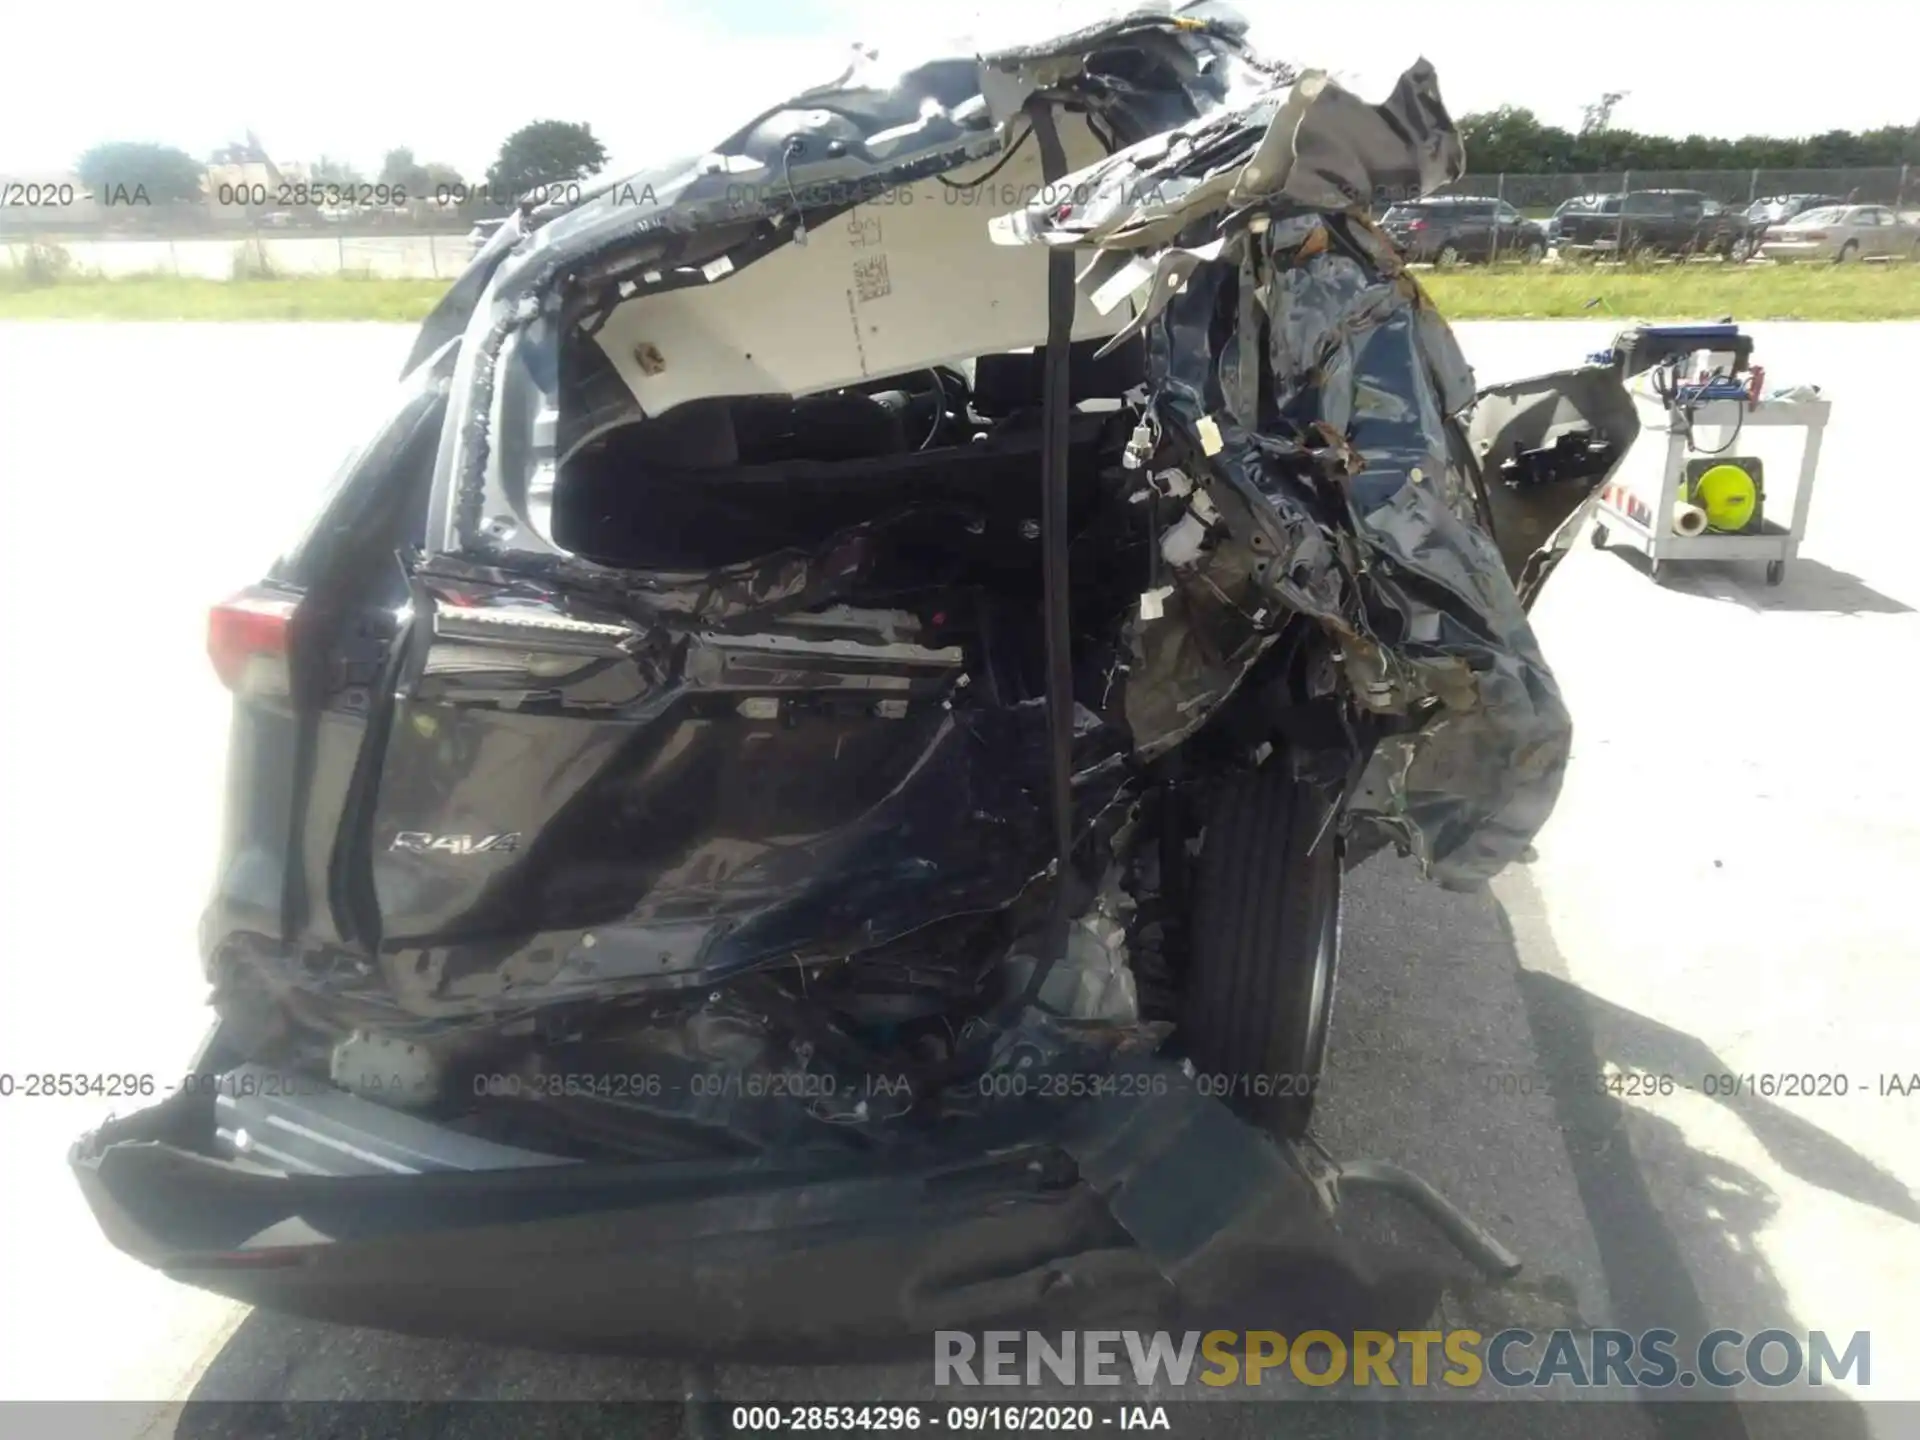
{"x": 908, "y": 280}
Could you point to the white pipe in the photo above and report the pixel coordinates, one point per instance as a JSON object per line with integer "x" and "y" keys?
{"x": 1688, "y": 520}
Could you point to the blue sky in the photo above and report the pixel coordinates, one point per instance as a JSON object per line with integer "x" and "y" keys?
{"x": 352, "y": 77}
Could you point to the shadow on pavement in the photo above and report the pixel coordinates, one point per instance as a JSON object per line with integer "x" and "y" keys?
{"x": 1808, "y": 586}
{"x": 1678, "y": 1228}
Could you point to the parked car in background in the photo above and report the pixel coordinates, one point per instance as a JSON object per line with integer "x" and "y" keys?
{"x": 1778, "y": 209}
{"x": 1579, "y": 202}
{"x": 1843, "y": 232}
{"x": 1448, "y": 229}
{"x": 1658, "y": 222}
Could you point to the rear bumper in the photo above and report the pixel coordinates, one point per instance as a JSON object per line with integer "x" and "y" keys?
{"x": 1128, "y": 1212}
{"x": 1796, "y": 250}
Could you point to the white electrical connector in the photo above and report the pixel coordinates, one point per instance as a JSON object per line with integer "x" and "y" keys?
{"x": 1139, "y": 446}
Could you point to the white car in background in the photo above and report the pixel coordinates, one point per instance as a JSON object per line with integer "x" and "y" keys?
{"x": 1843, "y": 232}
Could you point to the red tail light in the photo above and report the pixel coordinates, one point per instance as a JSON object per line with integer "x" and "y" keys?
{"x": 247, "y": 641}
{"x": 1416, "y": 224}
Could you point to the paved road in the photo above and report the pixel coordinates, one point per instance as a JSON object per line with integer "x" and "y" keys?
{"x": 1722, "y": 890}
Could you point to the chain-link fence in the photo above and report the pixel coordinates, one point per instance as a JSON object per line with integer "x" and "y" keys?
{"x": 230, "y": 252}
{"x": 1895, "y": 185}
{"x": 66, "y": 206}
{"x": 62, "y": 225}
{"x": 261, "y": 256}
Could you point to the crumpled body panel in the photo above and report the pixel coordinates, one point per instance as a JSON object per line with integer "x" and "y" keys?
{"x": 1302, "y": 381}
{"x": 675, "y": 842}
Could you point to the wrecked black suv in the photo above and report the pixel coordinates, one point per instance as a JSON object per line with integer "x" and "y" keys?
{"x": 796, "y": 791}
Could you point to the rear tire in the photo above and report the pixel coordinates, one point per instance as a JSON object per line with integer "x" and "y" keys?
{"x": 1448, "y": 257}
{"x": 1848, "y": 251}
{"x": 1266, "y": 940}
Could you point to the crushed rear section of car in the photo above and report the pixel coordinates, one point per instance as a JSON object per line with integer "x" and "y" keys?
{"x": 796, "y": 793}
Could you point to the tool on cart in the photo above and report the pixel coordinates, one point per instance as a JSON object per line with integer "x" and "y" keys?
{"x": 1708, "y": 503}
{"x": 1688, "y": 518}
{"x": 1640, "y": 349}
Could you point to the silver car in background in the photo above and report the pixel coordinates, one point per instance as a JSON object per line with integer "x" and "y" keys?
{"x": 1843, "y": 232}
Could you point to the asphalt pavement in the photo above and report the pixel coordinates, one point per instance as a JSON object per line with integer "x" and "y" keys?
{"x": 1724, "y": 890}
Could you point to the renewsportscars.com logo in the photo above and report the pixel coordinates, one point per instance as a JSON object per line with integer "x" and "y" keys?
{"x": 1607, "y": 1359}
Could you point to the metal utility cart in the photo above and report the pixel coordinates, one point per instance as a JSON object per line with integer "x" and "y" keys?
{"x": 1700, "y": 421}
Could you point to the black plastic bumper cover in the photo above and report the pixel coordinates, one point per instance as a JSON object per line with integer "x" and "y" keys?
{"x": 1134, "y": 1213}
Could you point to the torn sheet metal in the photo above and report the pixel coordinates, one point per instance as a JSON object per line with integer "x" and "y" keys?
{"x": 1302, "y": 375}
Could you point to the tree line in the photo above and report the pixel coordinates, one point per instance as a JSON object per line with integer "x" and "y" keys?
{"x": 1512, "y": 140}
{"x": 1509, "y": 139}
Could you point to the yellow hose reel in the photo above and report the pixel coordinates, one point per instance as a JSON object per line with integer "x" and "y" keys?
{"x": 1729, "y": 491}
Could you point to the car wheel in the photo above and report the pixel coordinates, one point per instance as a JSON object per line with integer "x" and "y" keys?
{"x": 1848, "y": 251}
{"x": 1266, "y": 940}
{"x": 1741, "y": 250}
{"x": 1448, "y": 257}
{"x": 1534, "y": 253}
